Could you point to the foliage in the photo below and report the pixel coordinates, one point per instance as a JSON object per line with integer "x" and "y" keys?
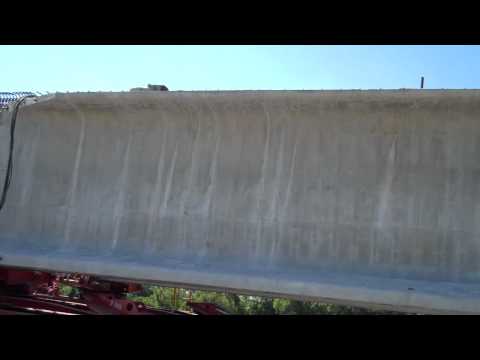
{"x": 70, "y": 291}
{"x": 170, "y": 298}
{"x": 162, "y": 297}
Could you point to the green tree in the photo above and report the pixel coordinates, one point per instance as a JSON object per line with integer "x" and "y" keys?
{"x": 162, "y": 297}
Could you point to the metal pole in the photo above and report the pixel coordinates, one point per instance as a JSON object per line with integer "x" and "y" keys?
{"x": 174, "y": 298}
{"x": 421, "y": 84}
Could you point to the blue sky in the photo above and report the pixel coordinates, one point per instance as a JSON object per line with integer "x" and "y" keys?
{"x": 119, "y": 68}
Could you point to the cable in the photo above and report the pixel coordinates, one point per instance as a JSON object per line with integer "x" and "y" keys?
{"x": 9, "y": 172}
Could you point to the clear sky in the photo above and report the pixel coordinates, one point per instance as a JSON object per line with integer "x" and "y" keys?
{"x": 119, "y": 68}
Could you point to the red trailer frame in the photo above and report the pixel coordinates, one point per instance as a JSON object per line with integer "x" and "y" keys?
{"x": 38, "y": 292}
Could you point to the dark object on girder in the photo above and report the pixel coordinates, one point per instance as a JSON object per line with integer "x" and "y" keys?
{"x": 151, "y": 87}
{"x": 157, "y": 87}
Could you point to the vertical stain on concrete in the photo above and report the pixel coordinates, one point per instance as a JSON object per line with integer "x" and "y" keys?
{"x": 155, "y": 198}
{"x": 76, "y": 167}
{"x": 213, "y": 164}
{"x": 273, "y": 212}
{"x": 288, "y": 190}
{"x": 170, "y": 180}
{"x": 385, "y": 204}
{"x": 266, "y": 149}
{"x": 192, "y": 170}
{"x": 277, "y": 180}
{"x": 31, "y": 153}
{"x": 118, "y": 209}
{"x": 212, "y": 175}
{"x": 207, "y": 209}
{"x": 261, "y": 184}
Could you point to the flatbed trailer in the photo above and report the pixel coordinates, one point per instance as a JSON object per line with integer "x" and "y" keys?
{"x": 37, "y": 292}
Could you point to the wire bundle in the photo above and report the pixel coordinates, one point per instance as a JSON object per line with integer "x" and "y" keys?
{"x": 9, "y": 172}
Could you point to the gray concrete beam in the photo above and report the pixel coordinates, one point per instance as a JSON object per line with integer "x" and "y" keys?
{"x": 354, "y": 196}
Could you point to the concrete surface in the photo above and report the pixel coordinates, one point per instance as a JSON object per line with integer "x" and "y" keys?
{"x": 361, "y": 197}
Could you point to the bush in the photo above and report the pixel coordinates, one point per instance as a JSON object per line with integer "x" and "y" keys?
{"x": 162, "y": 297}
